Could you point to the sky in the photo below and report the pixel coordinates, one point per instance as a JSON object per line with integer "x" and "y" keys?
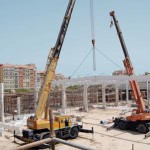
{"x": 29, "y": 29}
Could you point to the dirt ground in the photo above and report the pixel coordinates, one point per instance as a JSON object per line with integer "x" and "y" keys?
{"x": 102, "y": 139}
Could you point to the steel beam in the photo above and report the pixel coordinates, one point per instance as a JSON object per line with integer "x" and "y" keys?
{"x": 48, "y": 140}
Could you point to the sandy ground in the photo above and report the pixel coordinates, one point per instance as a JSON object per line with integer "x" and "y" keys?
{"x": 101, "y": 140}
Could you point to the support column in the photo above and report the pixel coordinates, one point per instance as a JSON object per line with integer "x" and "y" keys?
{"x": 63, "y": 99}
{"x": 18, "y": 107}
{"x": 127, "y": 92}
{"x": 97, "y": 97}
{"x": 37, "y": 87}
{"x": 103, "y": 96}
{"x": 85, "y": 98}
{"x": 117, "y": 95}
{"x": 2, "y": 102}
{"x": 35, "y": 99}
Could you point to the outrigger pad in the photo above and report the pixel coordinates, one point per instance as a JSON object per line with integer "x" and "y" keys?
{"x": 86, "y": 130}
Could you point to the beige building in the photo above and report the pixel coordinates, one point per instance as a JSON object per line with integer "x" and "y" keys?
{"x": 39, "y": 78}
{"x": 18, "y": 76}
{"x": 119, "y": 72}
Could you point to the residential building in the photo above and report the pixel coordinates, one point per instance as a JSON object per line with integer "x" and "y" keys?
{"x": 39, "y": 78}
{"x": 147, "y": 73}
{"x": 59, "y": 76}
{"x": 119, "y": 72}
{"x": 18, "y": 76}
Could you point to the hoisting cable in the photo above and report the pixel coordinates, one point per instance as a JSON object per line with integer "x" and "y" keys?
{"x": 88, "y": 55}
{"x": 80, "y": 64}
{"x": 93, "y": 45}
{"x": 92, "y": 23}
{"x": 109, "y": 59}
{"x": 93, "y": 33}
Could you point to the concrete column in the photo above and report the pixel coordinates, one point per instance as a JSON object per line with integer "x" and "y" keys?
{"x": 18, "y": 107}
{"x": 103, "y": 96}
{"x": 2, "y": 102}
{"x": 37, "y": 86}
{"x": 63, "y": 99}
{"x": 127, "y": 91}
{"x": 35, "y": 99}
{"x": 85, "y": 98}
{"x": 97, "y": 97}
{"x": 117, "y": 95}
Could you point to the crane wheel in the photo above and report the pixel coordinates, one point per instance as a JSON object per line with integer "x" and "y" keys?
{"x": 122, "y": 125}
{"x": 44, "y": 135}
{"x": 74, "y": 133}
{"x": 142, "y": 128}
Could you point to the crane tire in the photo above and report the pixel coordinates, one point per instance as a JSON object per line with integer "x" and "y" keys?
{"x": 74, "y": 133}
{"x": 122, "y": 125}
{"x": 45, "y": 135}
{"x": 142, "y": 128}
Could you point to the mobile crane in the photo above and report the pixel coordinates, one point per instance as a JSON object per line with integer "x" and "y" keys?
{"x": 38, "y": 127}
{"x": 140, "y": 117}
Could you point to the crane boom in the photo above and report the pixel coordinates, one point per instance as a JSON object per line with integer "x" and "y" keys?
{"x": 129, "y": 68}
{"x": 52, "y": 61}
{"x": 123, "y": 45}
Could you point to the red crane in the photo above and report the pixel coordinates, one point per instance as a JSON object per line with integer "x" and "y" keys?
{"x": 140, "y": 117}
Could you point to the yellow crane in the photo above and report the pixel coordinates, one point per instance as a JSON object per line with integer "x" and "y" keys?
{"x": 38, "y": 127}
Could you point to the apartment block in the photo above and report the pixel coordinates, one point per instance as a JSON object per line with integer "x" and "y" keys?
{"x": 39, "y": 78}
{"x": 18, "y": 76}
{"x": 119, "y": 72}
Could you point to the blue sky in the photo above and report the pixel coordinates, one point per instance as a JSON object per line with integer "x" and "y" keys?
{"x": 29, "y": 28}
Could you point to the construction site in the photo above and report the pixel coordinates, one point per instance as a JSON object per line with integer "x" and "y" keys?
{"x": 93, "y": 112}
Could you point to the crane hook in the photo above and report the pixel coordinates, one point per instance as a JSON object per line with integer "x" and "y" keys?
{"x": 93, "y": 42}
{"x": 111, "y": 23}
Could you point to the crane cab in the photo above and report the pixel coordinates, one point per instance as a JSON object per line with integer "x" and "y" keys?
{"x": 59, "y": 123}
{"x": 39, "y": 129}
